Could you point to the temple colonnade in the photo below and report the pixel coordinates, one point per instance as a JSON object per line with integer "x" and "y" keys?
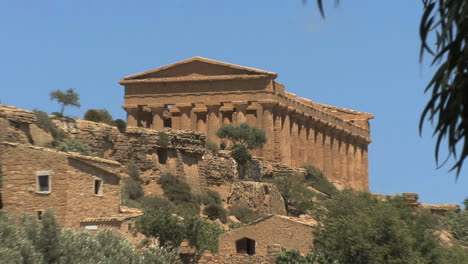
{"x": 294, "y": 137}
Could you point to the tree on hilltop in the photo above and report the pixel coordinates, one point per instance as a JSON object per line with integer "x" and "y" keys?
{"x": 70, "y": 97}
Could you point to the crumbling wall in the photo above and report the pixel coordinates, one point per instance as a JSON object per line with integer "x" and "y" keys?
{"x": 264, "y": 198}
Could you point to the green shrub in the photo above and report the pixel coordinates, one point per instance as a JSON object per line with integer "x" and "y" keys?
{"x": 72, "y": 145}
{"x": 43, "y": 121}
{"x": 294, "y": 257}
{"x": 240, "y": 154}
{"x": 243, "y": 213}
{"x": 163, "y": 139}
{"x": 134, "y": 172}
{"x": 186, "y": 209}
{"x": 163, "y": 225}
{"x": 121, "y": 125}
{"x": 215, "y": 211}
{"x": 318, "y": 180}
{"x": 155, "y": 202}
{"x": 295, "y": 194}
{"x": 99, "y": 115}
{"x": 27, "y": 241}
{"x": 243, "y": 135}
{"x": 212, "y": 147}
{"x": 132, "y": 189}
{"x": 359, "y": 228}
{"x": 175, "y": 188}
{"x": 243, "y": 138}
{"x": 201, "y": 234}
{"x": 457, "y": 224}
{"x": 234, "y": 225}
{"x": 178, "y": 191}
{"x": 210, "y": 197}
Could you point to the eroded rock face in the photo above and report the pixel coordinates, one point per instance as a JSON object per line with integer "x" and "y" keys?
{"x": 262, "y": 197}
{"x": 218, "y": 170}
{"x": 15, "y": 123}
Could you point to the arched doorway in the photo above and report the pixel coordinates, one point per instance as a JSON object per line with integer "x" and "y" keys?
{"x": 245, "y": 246}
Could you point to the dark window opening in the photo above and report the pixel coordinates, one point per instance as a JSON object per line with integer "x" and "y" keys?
{"x": 167, "y": 122}
{"x": 162, "y": 155}
{"x": 245, "y": 246}
{"x": 39, "y": 215}
{"x": 43, "y": 183}
{"x": 97, "y": 187}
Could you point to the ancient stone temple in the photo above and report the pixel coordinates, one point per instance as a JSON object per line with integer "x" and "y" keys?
{"x": 203, "y": 95}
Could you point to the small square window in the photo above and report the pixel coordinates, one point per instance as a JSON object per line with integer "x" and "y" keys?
{"x": 97, "y": 187}
{"x": 39, "y": 215}
{"x": 43, "y": 184}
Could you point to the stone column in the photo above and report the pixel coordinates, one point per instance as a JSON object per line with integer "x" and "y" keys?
{"x": 294, "y": 140}
{"x": 185, "y": 109}
{"x": 241, "y": 111}
{"x": 213, "y": 121}
{"x": 328, "y": 153}
{"x": 226, "y": 114}
{"x": 268, "y": 127}
{"x": 302, "y": 140}
{"x": 199, "y": 119}
{"x": 357, "y": 165}
{"x": 157, "y": 111}
{"x": 175, "y": 117}
{"x": 343, "y": 173}
{"x": 310, "y": 141}
{"x": 277, "y": 118}
{"x": 336, "y": 157}
{"x": 132, "y": 114}
{"x": 350, "y": 161}
{"x": 365, "y": 167}
{"x": 285, "y": 139}
{"x": 319, "y": 145}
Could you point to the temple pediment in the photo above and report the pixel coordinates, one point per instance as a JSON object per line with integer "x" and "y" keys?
{"x": 198, "y": 68}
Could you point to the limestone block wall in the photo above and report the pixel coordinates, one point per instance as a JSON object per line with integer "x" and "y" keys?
{"x": 72, "y": 185}
{"x": 271, "y": 230}
{"x": 214, "y": 94}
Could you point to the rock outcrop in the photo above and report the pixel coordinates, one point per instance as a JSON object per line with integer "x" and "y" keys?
{"x": 262, "y": 197}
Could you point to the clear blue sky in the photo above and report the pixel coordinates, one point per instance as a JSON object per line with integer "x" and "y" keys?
{"x": 364, "y": 56}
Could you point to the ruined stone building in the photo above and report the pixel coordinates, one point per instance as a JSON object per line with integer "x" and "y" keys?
{"x": 203, "y": 95}
{"x": 254, "y": 238}
{"x": 76, "y": 187}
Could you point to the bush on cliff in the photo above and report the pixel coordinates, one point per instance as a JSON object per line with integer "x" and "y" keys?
{"x": 43, "y": 121}
{"x": 171, "y": 230}
{"x": 317, "y": 179}
{"x": 295, "y": 194}
{"x": 178, "y": 191}
{"x": 32, "y": 242}
{"x": 457, "y": 224}
{"x": 243, "y": 213}
{"x": 359, "y": 228}
{"x": 212, "y": 147}
{"x": 132, "y": 189}
{"x": 243, "y": 138}
{"x": 99, "y": 115}
{"x": 121, "y": 125}
{"x": 215, "y": 211}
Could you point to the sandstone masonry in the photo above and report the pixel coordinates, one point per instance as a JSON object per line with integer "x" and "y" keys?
{"x": 203, "y": 95}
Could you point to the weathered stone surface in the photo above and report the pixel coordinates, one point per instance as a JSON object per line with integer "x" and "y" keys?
{"x": 287, "y": 232}
{"x": 203, "y": 95}
{"x": 17, "y": 115}
{"x": 38, "y": 136}
{"x": 72, "y": 182}
{"x": 218, "y": 170}
{"x": 441, "y": 209}
{"x": 264, "y": 198}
